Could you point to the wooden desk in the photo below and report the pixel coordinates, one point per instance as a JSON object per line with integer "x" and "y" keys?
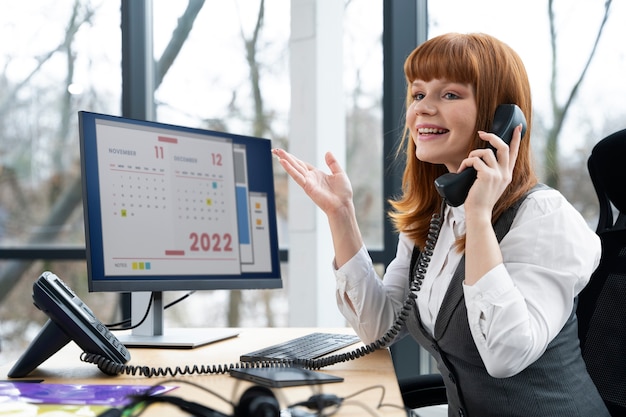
{"x": 373, "y": 370}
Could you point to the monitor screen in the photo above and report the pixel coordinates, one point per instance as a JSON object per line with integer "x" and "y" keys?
{"x": 175, "y": 208}
{"x": 171, "y": 208}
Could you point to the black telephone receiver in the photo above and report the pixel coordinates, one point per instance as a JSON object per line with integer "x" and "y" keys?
{"x": 454, "y": 187}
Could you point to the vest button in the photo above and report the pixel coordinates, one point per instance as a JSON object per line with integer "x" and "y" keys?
{"x": 451, "y": 377}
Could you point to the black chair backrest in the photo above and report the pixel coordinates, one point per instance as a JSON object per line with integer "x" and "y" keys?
{"x": 602, "y": 304}
{"x": 608, "y": 173}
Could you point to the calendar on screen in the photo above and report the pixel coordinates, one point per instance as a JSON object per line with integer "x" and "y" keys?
{"x": 174, "y": 202}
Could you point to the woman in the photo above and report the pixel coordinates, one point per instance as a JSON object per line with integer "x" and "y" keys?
{"x": 496, "y": 302}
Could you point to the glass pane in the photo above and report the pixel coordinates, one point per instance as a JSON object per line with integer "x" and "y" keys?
{"x": 213, "y": 84}
{"x": 63, "y": 56}
{"x": 58, "y": 57}
{"x": 363, "y": 81}
{"x": 597, "y": 107}
{"x": 223, "y": 78}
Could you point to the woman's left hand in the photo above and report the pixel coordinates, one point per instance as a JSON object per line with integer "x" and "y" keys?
{"x": 494, "y": 173}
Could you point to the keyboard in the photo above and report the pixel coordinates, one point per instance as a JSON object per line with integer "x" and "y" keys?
{"x": 310, "y": 346}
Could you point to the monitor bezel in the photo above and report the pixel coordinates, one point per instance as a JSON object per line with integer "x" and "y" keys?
{"x": 99, "y": 282}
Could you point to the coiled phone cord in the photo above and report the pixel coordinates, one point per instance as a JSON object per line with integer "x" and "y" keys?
{"x": 110, "y": 367}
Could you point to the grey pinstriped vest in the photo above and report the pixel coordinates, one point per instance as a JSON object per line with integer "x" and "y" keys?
{"x": 556, "y": 385}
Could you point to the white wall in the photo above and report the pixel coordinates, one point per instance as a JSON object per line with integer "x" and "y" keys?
{"x": 317, "y": 125}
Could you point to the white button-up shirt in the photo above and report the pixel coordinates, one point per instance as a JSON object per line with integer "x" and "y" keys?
{"x": 514, "y": 310}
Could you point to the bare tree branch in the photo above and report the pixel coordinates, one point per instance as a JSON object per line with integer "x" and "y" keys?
{"x": 71, "y": 29}
{"x": 179, "y": 36}
{"x": 566, "y": 106}
{"x": 260, "y": 124}
{"x": 559, "y": 112}
{"x": 260, "y": 128}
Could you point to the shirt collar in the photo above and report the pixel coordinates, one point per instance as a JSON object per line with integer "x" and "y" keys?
{"x": 455, "y": 219}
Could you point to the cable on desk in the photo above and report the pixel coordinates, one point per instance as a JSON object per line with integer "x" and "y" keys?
{"x": 325, "y": 405}
{"x": 112, "y": 368}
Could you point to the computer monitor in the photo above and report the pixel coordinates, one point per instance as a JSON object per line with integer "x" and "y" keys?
{"x": 170, "y": 208}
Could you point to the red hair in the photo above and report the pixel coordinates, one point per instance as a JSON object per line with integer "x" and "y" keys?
{"x": 498, "y": 76}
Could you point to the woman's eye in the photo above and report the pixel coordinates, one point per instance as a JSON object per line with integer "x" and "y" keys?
{"x": 418, "y": 96}
{"x": 450, "y": 96}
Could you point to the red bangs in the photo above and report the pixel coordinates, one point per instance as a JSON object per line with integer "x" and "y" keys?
{"x": 443, "y": 58}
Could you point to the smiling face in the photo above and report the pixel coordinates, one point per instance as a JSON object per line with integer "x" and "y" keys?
{"x": 454, "y": 83}
{"x": 442, "y": 121}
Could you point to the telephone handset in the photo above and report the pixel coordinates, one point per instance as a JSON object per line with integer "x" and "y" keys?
{"x": 454, "y": 187}
{"x": 70, "y": 319}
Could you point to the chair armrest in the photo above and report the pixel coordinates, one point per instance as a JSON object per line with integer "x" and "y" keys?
{"x": 423, "y": 391}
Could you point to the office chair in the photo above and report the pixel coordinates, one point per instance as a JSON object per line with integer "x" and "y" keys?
{"x": 418, "y": 390}
{"x": 601, "y": 306}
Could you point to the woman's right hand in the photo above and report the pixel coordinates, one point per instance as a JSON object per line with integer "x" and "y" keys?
{"x": 330, "y": 192}
{"x": 333, "y": 195}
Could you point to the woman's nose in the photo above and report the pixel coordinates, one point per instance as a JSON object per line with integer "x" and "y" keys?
{"x": 424, "y": 106}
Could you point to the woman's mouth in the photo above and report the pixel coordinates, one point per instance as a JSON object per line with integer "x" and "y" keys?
{"x": 431, "y": 131}
{"x": 428, "y": 133}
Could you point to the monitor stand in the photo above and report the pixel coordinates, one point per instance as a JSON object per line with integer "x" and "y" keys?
{"x": 151, "y": 333}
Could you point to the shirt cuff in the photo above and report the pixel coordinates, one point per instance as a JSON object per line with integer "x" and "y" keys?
{"x": 354, "y": 271}
{"x": 492, "y": 293}
{"x": 490, "y": 287}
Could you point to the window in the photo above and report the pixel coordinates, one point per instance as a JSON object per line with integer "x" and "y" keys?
{"x": 58, "y": 57}
{"x": 595, "y": 111}
{"x": 73, "y": 62}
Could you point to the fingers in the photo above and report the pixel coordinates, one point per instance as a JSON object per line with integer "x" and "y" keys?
{"x": 506, "y": 154}
{"x": 292, "y": 165}
{"x": 284, "y": 156}
{"x": 332, "y": 163}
